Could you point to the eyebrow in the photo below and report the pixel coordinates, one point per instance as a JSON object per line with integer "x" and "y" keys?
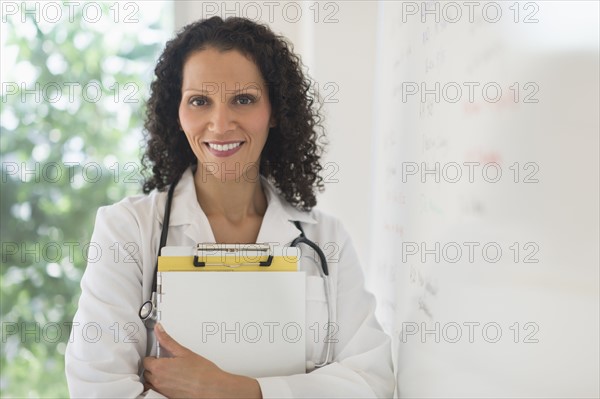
{"x": 204, "y": 91}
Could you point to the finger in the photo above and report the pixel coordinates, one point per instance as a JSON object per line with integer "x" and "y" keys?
{"x": 167, "y": 342}
{"x": 147, "y": 384}
{"x": 147, "y": 378}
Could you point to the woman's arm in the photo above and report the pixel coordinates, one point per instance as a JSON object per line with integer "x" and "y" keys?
{"x": 108, "y": 339}
{"x": 362, "y": 364}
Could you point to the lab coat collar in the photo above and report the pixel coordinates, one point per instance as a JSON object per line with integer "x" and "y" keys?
{"x": 277, "y": 226}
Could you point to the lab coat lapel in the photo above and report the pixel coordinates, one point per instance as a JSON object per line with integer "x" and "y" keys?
{"x": 200, "y": 232}
{"x": 186, "y": 213}
{"x": 277, "y": 226}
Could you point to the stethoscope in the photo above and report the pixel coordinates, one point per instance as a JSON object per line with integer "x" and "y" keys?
{"x": 148, "y": 309}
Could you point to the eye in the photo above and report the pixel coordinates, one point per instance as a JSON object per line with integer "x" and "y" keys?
{"x": 197, "y": 101}
{"x": 245, "y": 99}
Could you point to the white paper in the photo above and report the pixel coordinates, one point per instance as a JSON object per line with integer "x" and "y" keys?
{"x": 248, "y": 323}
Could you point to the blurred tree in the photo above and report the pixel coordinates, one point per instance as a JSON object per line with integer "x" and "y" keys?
{"x": 73, "y": 94}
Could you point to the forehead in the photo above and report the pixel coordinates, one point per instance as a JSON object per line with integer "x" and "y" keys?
{"x": 213, "y": 66}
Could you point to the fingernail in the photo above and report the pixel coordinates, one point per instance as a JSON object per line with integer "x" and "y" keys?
{"x": 160, "y": 327}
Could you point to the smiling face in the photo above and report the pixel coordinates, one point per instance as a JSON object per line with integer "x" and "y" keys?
{"x": 225, "y": 112}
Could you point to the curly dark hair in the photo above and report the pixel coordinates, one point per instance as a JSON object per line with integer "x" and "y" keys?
{"x": 291, "y": 156}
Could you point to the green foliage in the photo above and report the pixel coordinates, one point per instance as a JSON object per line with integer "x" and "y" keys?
{"x": 66, "y": 150}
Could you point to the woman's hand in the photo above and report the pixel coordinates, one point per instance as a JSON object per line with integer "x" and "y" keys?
{"x": 188, "y": 375}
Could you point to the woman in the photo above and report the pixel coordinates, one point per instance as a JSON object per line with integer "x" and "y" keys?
{"x": 231, "y": 123}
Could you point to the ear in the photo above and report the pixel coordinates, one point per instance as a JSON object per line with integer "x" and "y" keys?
{"x": 272, "y": 121}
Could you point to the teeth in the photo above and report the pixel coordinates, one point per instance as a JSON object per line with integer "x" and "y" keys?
{"x": 225, "y": 147}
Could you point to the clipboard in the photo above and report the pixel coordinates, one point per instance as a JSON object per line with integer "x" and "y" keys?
{"x": 241, "y": 306}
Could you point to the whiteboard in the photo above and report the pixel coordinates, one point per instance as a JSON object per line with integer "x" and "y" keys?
{"x": 485, "y": 230}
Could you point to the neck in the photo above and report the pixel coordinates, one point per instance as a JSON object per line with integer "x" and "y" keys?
{"x": 235, "y": 199}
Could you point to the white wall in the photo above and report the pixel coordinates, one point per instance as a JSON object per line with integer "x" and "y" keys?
{"x": 340, "y": 57}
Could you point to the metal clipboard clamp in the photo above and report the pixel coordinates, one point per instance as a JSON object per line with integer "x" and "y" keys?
{"x": 204, "y": 251}
{"x": 205, "y": 257}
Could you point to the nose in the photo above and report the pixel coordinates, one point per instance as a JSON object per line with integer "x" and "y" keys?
{"x": 221, "y": 119}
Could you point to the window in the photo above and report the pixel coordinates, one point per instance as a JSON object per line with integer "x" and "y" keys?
{"x": 75, "y": 77}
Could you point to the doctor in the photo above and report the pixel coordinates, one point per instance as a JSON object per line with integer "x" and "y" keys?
{"x": 230, "y": 116}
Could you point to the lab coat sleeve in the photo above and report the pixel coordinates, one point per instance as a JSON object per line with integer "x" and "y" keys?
{"x": 362, "y": 364}
{"x": 108, "y": 340}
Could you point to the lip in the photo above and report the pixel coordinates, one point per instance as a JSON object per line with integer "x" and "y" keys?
{"x": 223, "y": 154}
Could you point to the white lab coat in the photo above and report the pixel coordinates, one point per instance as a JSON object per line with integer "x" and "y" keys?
{"x": 108, "y": 340}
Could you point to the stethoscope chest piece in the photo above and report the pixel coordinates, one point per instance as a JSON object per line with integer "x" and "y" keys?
{"x": 148, "y": 312}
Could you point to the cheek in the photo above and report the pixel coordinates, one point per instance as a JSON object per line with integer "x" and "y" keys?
{"x": 186, "y": 118}
{"x": 261, "y": 123}
{"x": 188, "y": 126}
